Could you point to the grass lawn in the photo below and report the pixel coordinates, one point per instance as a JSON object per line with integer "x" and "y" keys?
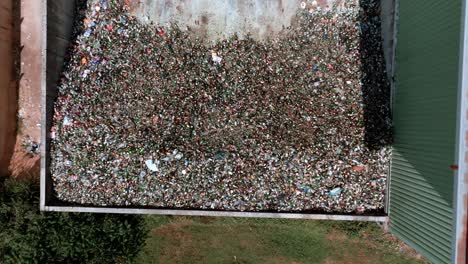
{"x": 239, "y": 240}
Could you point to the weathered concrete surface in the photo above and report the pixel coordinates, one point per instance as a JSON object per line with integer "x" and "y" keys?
{"x": 22, "y": 163}
{"x": 59, "y": 28}
{"x": 215, "y": 19}
{"x": 60, "y": 20}
{"x": 7, "y": 86}
{"x": 30, "y": 84}
{"x": 60, "y": 15}
{"x": 209, "y": 19}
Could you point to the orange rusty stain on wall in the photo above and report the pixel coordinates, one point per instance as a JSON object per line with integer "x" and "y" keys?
{"x": 463, "y": 239}
{"x": 466, "y": 138}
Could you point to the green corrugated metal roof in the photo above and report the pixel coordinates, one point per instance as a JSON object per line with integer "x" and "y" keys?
{"x": 425, "y": 112}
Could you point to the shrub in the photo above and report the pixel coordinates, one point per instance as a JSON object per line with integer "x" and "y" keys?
{"x": 30, "y": 236}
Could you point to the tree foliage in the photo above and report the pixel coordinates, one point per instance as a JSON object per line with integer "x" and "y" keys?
{"x": 30, "y": 236}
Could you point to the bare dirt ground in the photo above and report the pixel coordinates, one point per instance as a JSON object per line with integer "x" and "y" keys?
{"x": 24, "y": 164}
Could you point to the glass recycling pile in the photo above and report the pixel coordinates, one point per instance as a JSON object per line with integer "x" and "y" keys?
{"x": 149, "y": 116}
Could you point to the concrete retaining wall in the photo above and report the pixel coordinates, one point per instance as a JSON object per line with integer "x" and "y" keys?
{"x": 60, "y": 21}
{"x": 211, "y": 20}
{"x": 214, "y": 19}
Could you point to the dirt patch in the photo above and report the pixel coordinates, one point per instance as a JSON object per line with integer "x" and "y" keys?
{"x": 335, "y": 236}
{"x": 172, "y": 227}
{"x": 403, "y": 248}
{"x": 368, "y": 248}
{"x": 354, "y": 250}
{"x": 180, "y": 242}
{"x": 353, "y": 258}
{"x": 281, "y": 260}
{"x": 207, "y": 219}
{"x": 24, "y": 164}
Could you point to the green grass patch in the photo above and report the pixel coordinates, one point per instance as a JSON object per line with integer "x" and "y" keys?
{"x": 244, "y": 240}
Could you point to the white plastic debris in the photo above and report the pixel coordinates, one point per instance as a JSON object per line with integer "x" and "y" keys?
{"x": 73, "y": 178}
{"x": 335, "y": 192}
{"x": 87, "y": 33}
{"x": 216, "y": 59}
{"x": 85, "y": 73}
{"x": 303, "y": 5}
{"x": 152, "y": 166}
{"x": 67, "y": 121}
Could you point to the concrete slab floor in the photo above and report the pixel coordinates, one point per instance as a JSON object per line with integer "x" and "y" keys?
{"x": 30, "y": 84}
{"x": 23, "y": 164}
{"x": 215, "y": 20}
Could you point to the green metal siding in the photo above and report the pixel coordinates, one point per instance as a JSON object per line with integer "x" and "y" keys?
{"x": 425, "y": 112}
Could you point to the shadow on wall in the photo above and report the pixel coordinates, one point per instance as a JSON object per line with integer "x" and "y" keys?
{"x": 64, "y": 23}
{"x": 9, "y": 79}
{"x": 375, "y": 84}
{"x": 425, "y": 117}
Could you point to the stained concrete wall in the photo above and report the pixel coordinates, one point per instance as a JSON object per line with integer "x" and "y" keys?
{"x": 60, "y": 22}
{"x": 214, "y": 19}
{"x": 210, "y": 19}
{"x": 8, "y": 101}
{"x": 29, "y": 103}
{"x": 60, "y": 16}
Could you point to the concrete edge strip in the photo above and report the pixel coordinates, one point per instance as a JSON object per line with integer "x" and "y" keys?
{"x": 43, "y": 103}
{"x": 215, "y": 213}
{"x": 44, "y": 207}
